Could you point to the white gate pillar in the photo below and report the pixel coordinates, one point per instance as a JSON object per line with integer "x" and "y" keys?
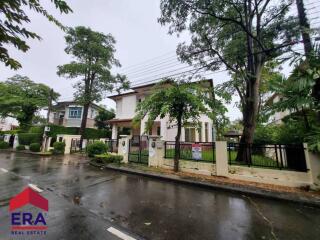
{"x": 123, "y": 147}
{"x": 156, "y": 151}
{"x": 222, "y": 165}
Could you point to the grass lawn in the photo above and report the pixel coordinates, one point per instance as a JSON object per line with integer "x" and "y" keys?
{"x": 209, "y": 156}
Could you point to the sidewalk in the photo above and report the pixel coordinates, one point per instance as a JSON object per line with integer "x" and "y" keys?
{"x": 296, "y": 195}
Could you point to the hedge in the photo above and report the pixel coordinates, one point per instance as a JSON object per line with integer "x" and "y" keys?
{"x": 89, "y": 133}
{"x": 96, "y": 148}
{"x": 21, "y": 147}
{"x": 108, "y": 158}
{"x": 4, "y": 145}
{"x": 35, "y": 147}
{"x": 28, "y": 138}
{"x": 58, "y": 147}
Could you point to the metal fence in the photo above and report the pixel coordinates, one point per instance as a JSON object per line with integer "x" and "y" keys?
{"x": 199, "y": 151}
{"x": 112, "y": 145}
{"x": 276, "y": 156}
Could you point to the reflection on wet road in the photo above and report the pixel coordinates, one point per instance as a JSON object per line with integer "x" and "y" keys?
{"x": 86, "y": 201}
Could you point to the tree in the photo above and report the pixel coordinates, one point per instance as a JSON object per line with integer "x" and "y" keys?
{"x": 102, "y": 118}
{"x": 94, "y": 57}
{"x": 179, "y": 100}
{"x": 12, "y": 25}
{"x": 21, "y": 98}
{"x": 242, "y": 35}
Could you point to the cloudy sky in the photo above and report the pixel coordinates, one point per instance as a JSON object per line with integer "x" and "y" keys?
{"x": 144, "y": 48}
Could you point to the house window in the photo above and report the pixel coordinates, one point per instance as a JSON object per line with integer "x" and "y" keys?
{"x": 200, "y": 133}
{"x": 158, "y": 131}
{"x": 190, "y": 134}
{"x": 206, "y": 132}
{"x": 75, "y": 112}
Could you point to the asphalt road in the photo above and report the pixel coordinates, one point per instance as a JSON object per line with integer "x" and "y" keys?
{"x": 89, "y": 203}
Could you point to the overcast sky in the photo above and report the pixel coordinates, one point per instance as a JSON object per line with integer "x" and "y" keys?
{"x": 133, "y": 24}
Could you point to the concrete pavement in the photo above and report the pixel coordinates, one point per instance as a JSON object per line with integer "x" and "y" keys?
{"x": 84, "y": 202}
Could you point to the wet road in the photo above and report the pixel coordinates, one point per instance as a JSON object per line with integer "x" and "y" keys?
{"x": 85, "y": 201}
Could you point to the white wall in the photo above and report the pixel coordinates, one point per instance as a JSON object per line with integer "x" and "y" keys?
{"x": 126, "y": 107}
{"x": 7, "y": 123}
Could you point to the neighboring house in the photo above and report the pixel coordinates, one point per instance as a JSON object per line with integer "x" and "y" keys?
{"x": 69, "y": 114}
{"x": 8, "y": 123}
{"x": 125, "y": 111}
{"x": 277, "y": 116}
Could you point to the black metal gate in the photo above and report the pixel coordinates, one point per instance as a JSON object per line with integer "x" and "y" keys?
{"x": 75, "y": 145}
{"x": 139, "y": 149}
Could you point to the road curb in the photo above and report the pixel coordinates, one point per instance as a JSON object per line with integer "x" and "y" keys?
{"x": 249, "y": 190}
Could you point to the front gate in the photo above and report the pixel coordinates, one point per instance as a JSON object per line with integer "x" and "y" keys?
{"x": 139, "y": 149}
{"x": 75, "y": 145}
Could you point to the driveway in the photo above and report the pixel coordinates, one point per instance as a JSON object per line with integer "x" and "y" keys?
{"x": 89, "y": 203}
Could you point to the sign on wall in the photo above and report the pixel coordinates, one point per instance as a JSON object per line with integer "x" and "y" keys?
{"x": 196, "y": 152}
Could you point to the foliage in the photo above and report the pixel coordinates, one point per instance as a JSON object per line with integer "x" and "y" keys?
{"x": 181, "y": 101}
{"x": 28, "y": 138}
{"x": 21, "y": 98}
{"x": 240, "y": 35}
{"x": 59, "y": 147}
{"x": 96, "y": 148}
{"x": 266, "y": 134}
{"x": 313, "y": 139}
{"x": 108, "y": 158}
{"x": 13, "y": 21}
{"x": 21, "y": 148}
{"x": 94, "y": 57}
{"x": 102, "y": 117}
{"x": 35, "y": 147}
{"x": 4, "y": 145}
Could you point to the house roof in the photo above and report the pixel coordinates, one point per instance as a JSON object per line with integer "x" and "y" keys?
{"x": 134, "y": 89}
{"x": 67, "y": 103}
{"x": 115, "y": 120}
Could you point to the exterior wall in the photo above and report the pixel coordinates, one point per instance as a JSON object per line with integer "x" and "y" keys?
{"x": 74, "y": 122}
{"x": 278, "y": 116}
{"x": 315, "y": 169}
{"x": 126, "y": 107}
{"x": 169, "y": 130}
{"x": 192, "y": 167}
{"x": 8, "y": 123}
{"x": 270, "y": 176}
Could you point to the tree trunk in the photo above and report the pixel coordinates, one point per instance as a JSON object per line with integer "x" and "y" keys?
{"x": 83, "y": 122}
{"x": 177, "y": 147}
{"x": 250, "y": 113}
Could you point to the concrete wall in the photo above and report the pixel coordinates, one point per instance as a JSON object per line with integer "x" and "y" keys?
{"x": 314, "y": 160}
{"x": 222, "y": 168}
{"x": 270, "y": 176}
{"x": 192, "y": 167}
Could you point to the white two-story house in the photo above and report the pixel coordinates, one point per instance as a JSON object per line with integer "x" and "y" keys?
{"x": 125, "y": 111}
{"x": 69, "y": 114}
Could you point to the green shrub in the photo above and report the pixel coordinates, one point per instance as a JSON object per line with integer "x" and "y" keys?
{"x": 96, "y": 148}
{"x": 108, "y": 158}
{"x": 28, "y": 138}
{"x": 4, "y": 145}
{"x": 58, "y": 147}
{"x": 21, "y": 147}
{"x": 35, "y": 147}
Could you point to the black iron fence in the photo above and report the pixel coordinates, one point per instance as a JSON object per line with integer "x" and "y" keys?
{"x": 112, "y": 145}
{"x": 276, "y": 156}
{"x": 199, "y": 151}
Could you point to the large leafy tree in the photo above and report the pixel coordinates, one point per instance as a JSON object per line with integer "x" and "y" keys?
{"x": 103, "y": 116}
{"x": 182, "y": 102}
{"x": 21, "y": 98}
{"x": 93, "y": 54}
{"x": 241, "y": 35}
{"x": 12, "y": 25}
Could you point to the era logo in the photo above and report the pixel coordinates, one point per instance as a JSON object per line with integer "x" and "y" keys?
{"x": 26, "y": 220}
